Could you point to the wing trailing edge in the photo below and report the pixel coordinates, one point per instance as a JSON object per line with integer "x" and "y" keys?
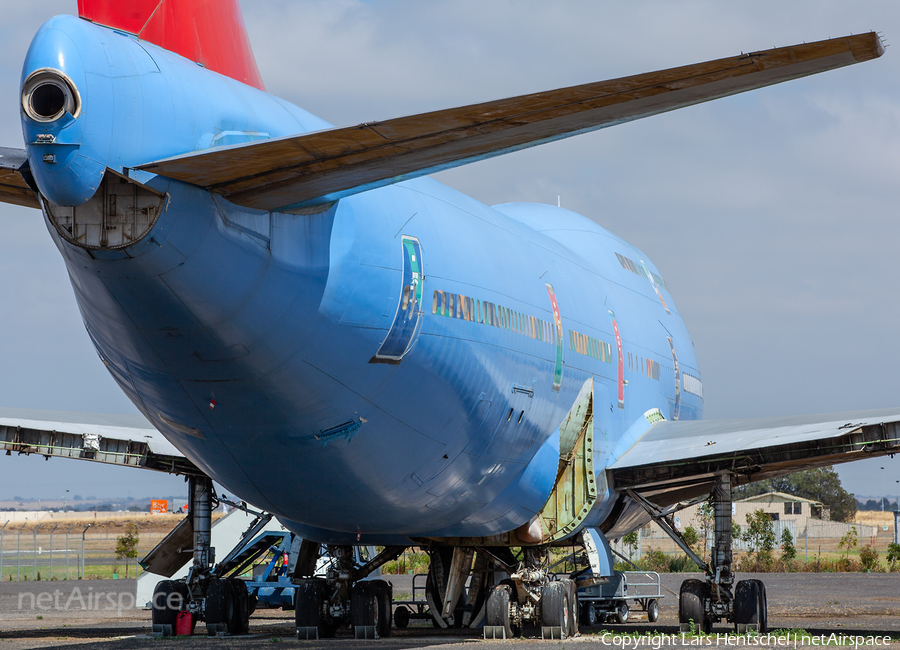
{"x": 315, "y": 168}
{"x": 674, "y": 461}
{"x": 15, "y": 187}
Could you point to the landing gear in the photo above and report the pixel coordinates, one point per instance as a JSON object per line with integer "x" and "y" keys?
{"x": 223, "y": 602}
{"x": 531, "y": 595}
{"x": 344, "y": 597}
{"x": 704, "y": 602}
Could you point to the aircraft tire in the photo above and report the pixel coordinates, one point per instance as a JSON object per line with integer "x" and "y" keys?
{"x": 555, "y": 606}
{"x": 573, "y": 606}
{"x": 364, "y": 604}
{"x": 384, "y": 594}
{"x": 220, "y": 604}
{"x": 309, "y": 597}
{"x": 165, "y": 604}
{"x": 763, "y": 608}
{"x": 691, "y": 605}
{"x": 241, "y": 606}
{"x": 746, "y": 603}
{"x": 497, "y": 609}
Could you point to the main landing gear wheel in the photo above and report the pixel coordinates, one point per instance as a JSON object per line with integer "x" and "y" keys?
{"x": 573, "y": 606}
{"x": 169, "y": 598}
{"x": 385, "y": 596}
{"x": 365, "y": 608}
{"x": 555, "y": 608}
{"x": 750, "y": 607}
{"x": 691, "y": 605}
{"x": 241, "y": 620}
{"x": 219, "y": 605}
{"x": 497, "y": 612}
{"x": 309, "y": 602}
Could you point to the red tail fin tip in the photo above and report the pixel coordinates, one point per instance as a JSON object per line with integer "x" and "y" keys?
{"x": 211, "y": 32}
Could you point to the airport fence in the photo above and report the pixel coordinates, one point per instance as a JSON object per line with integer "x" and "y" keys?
{"x": 71, "y": 551}
{"x": 814, "y": 539}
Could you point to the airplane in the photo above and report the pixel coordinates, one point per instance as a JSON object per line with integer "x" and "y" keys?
{"x": 363, "y": 352}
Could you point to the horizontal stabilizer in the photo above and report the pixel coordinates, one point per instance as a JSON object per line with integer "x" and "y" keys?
{"x": 127, "y": 440}
{"x": 13, "y": 186}
{"x": 314, "y": 168}
{"x": 673, "y": 461}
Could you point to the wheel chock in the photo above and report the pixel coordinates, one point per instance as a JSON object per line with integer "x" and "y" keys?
{"x": 162, "y": 630}
{"x": 216, "y": 629}
{"x": 308, "y": 633}
{"x": 365, "y": 631}
{"x": 494, "y": 632}
{"x": 552, "y": 632}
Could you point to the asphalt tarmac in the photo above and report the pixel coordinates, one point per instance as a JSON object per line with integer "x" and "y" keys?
{"x": 101, "y": 614}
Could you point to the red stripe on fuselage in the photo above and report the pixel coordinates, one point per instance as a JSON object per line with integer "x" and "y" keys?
{"x": 210, "y": 32}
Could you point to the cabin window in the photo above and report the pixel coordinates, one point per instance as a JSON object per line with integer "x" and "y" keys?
{"x": 434, "y": 302}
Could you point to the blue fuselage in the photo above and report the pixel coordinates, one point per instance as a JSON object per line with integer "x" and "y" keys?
{"x": 287, "y": 356}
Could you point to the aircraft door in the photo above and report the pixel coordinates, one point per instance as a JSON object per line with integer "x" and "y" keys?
{"x": 676, "y": 409}
{"x": 400, "y": 337}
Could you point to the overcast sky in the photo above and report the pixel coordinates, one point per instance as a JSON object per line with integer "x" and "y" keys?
{"x": 771, "y": 215}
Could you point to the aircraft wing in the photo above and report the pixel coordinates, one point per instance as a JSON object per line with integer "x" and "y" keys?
{"x": 674, "y": 461}
{"x": 126, "y": 440}
{"x": 14, "y": 187}
{"x": 315, "y": 168}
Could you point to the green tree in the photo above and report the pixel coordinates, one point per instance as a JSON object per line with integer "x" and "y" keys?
{"x": 820, "y": 484}
{"x": 849, "y": 541}
{"x": 631, "y": 541}
{"x": 788, "y": 551}
{"x": 760, "y": 536}
{"x": 126, "y": 547}
{"x": 690, "y": 536}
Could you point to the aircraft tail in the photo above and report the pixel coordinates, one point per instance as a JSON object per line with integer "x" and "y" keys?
{"x": 210, "y": 32}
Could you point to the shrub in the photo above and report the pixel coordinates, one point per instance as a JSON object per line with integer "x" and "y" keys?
{"x": 868, "y": 558}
